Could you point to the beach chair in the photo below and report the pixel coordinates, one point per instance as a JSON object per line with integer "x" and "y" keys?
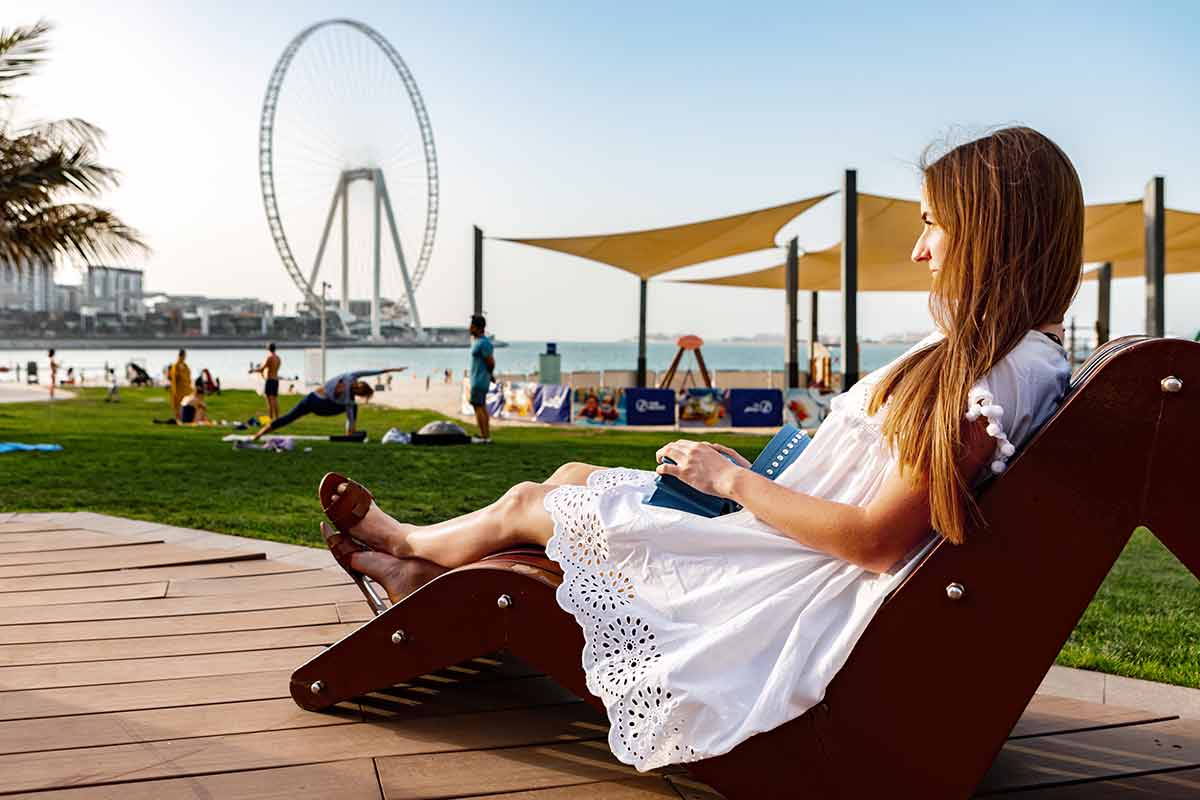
{"x": 950, "y": 661}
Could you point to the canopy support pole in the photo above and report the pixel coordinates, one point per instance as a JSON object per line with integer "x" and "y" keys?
{"x": 641, "y": 361}
{"x": 790, "y": 333}
{"x": 1154, "y": 219}
{"x": 849, "y": 279}
{"x": 478, "y": 308}
{"x": 813, "y": 315}
{"x": 1103, "y": 302}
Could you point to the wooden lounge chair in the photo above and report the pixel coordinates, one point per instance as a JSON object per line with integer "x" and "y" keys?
{"x": 946, "y": 667}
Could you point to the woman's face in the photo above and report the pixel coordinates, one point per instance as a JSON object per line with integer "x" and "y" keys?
{"x": 931, "y": 244}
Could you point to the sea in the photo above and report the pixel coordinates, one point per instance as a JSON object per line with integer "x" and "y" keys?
{"x": 232, "y": 365}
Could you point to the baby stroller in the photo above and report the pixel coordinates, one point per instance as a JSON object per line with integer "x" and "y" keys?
{"x": 210, "y": 386}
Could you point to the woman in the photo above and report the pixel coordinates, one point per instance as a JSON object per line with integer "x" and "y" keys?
{"x": 193, "y": 410}
{"x": 338, "y": 396}
{"x": 702, "y": 632}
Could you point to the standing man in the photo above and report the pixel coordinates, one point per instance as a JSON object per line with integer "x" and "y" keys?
{"x": 269, "y": 369}
{"x": 180, "y": 377}
{"x": 483, "y": 365}
{"x": 53, "y": 373}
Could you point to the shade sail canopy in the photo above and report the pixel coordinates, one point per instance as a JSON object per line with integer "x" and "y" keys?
{"x": 888, "y": 228}
{"x": 652, "y": 252}
{"x": 1115, "y": 232}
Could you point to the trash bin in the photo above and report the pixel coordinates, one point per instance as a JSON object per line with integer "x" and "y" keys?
{"x": 550, "y": 365}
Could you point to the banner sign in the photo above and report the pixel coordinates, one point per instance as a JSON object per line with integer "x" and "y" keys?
{"x": 756, "y": 408}
{"x": 704, "y": 408}
{"x": 495, "y": 400}
{"x": 596, "y": 405}
{"x": 807, "y": 407}
{"x": 650, "y": 406}
{"x": 553, "y": 403}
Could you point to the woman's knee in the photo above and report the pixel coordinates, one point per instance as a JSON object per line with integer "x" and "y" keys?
{"x": 571, "y": 472}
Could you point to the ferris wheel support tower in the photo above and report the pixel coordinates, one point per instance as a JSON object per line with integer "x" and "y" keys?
{"x": 382, "y": 205}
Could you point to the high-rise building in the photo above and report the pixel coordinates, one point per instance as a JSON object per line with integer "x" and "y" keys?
{"x": 113, "y": 290}
{"x": 30, "y": 288}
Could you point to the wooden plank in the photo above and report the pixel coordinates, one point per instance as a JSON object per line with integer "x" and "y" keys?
{"x": 37, "y": 703}
{"x": 1097, "y": 754}
{"x": 178, "y": 606}
{"x": 217, "y": 718}
{"x": 482, "y": 772}
{"x": 345, "y": 780}
{"x": 642, "y": 788}
{"x": 58, "y": 597}
{"x": 21, "y": 527}
{"x": 67, "y": 540}
{"x": 1182, "y": 785}
{"x": 173, "y": 759}
{"x": 107, "y": 555}
{"x": 95, "y": 673}
{"x": 159, "y": 646}
{"x": 122, "y": 727}
{"x": 121, "y": 577}
{"x": 355, "y": 612}
{"x": 1046, "y": 715}
{"x": 153, "y": 555}
{"x": 308, "y": 579}
{"x": 168, "y": 626}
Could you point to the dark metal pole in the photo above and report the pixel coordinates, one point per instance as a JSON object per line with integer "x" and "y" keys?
{"x": 641, "y": 361}
{"x": 1104, "y": 302}
{"x": 812, "y": 332}
{"x": 791, "y": 345}
{"x": 849, "y": 279}
{"x": 1154, "y": 219}
{"x": 478, "y": 270}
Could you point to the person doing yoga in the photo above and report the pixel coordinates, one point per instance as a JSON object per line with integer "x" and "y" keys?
{"x": 339, "y": 395}
{"x": 702, "y": 632}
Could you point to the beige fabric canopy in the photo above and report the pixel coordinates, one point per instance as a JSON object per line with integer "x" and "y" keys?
{"x": 888, "y": 228}
{"x": 1115, "y": 232}
{"x": 652, "y": 252}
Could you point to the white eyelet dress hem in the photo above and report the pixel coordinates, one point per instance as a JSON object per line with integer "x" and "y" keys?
{"x": 700, "y": 633}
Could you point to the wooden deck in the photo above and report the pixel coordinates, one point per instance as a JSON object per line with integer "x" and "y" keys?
{"x": 136, "y": 669}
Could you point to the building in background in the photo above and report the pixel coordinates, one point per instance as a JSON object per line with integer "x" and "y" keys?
{"x": 113, "y": 290}
{"x": 30, "y": 288}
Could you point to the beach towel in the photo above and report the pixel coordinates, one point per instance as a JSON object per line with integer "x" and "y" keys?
{"x": 18, "y": 447}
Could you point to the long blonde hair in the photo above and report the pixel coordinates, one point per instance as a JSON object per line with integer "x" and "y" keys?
{"x": 1011, "y": 209}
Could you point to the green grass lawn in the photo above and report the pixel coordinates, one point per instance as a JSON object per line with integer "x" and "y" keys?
{"x": 1144, "y": 622}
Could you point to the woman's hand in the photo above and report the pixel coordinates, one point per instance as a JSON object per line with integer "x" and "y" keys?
{"x": 737, "y": 457}
{"x": 699, "y": 465}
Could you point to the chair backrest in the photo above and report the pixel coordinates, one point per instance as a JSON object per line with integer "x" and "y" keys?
{"x": 935, "y": 683}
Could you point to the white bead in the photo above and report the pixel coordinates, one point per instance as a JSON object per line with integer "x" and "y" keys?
{"x": 993, "y": 411}
{"x": 1007, "y": 449}
{"x": 973, "y": 414}
{"x": 993, "y": 429}
{"x": 997, "y": 467}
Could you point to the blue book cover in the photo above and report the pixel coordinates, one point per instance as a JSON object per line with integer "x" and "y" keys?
{"x": 784, "y": 448}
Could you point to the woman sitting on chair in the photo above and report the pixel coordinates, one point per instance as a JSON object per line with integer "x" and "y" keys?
{"x": 702, "y": 632}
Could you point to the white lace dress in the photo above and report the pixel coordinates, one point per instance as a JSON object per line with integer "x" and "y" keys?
{"x": 703, "y": 632}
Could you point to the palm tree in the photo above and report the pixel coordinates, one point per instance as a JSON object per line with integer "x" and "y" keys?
{"x": 46, "y": 170}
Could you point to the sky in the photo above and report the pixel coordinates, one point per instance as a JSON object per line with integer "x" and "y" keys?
{"x": 556, "y": 119}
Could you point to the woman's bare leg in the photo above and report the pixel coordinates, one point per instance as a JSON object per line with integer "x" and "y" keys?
{"x": 518, "y": 517}
{"x": 572, "y": 473}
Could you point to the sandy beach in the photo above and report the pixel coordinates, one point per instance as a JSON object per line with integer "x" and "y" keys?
{"x": 22, "y": 393}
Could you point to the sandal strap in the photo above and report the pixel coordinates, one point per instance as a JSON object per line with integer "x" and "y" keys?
{"x": 350, "y": 508}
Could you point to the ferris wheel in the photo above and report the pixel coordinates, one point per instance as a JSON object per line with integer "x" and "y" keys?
{"x": 344, "y": 129}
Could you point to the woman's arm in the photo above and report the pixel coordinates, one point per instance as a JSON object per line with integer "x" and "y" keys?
{"x": 874, "y": 536}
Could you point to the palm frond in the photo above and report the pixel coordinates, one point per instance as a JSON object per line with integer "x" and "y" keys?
{"x": 22, "y": 50}
{"x": 70, "y": 230}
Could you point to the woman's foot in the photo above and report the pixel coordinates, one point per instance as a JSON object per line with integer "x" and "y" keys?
{"x": 377, "y": 530}
{"x": 399, "y": 577}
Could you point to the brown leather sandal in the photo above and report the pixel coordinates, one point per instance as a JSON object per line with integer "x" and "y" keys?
{"x": 350, "y": 508}
{"x": 373, "y": 600}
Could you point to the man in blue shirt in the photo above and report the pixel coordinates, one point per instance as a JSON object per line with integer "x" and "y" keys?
{"x": 482, "y": 367}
